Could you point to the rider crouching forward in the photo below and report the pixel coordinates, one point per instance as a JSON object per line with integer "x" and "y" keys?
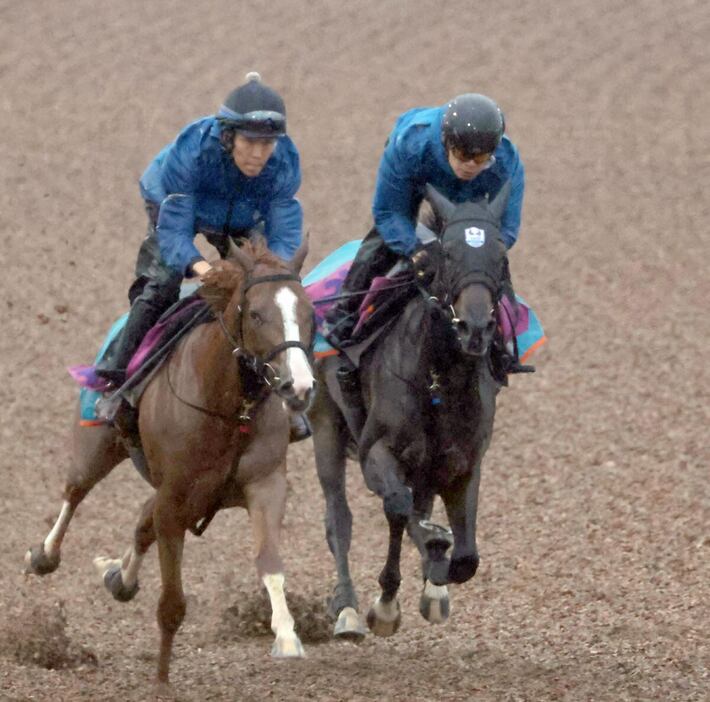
{"x": 459, "y": 148}
{"x": 223, "y": 175}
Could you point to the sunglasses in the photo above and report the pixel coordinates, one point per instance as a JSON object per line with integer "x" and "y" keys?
{"x": 478, "y": 159}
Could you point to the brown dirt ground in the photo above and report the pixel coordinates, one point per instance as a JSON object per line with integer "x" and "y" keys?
{"x": 594, "y": 503}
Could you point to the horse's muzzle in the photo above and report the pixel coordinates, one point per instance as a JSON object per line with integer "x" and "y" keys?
{"x": 475, "y": 340}
{"x": 295, "y": 401}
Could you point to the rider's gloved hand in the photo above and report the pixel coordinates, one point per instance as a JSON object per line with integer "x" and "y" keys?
{"x": 423, "y": 264}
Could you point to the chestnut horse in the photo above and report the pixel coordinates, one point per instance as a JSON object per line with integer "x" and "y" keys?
{"x": 215, "y": 433}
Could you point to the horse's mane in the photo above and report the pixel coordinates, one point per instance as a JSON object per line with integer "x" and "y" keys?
{"x": 227, "y": 275}
{"x": 430, "y": 218}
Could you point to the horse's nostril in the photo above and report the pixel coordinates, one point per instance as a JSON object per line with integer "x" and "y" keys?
{"x": 287, "y": 387}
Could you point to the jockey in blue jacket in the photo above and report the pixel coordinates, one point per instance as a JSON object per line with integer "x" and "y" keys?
{"x": 459, "y": 148}
{"x": 223, "y": 175}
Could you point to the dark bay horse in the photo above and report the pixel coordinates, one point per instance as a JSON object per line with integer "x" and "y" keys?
{"x": 215, "y": 432}
{"x": 428, "y": 400}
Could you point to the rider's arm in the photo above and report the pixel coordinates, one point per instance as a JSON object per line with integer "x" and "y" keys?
{"x": 176, "y": 221}
{"x": 510, "y": 222}
{"x": 283, "y": 222}
{"x": 394, "y": 204}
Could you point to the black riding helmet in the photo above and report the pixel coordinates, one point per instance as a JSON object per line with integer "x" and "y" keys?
{"x": 473, "y": 124}
{"x": 254, "y": 110}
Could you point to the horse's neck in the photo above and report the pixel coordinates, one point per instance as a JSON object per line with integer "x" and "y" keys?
{"x": 215, "y": 372}
{"x": 419, "y": 349}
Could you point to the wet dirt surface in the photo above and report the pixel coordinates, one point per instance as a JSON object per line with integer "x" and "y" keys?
{"x": 594, "y": 507}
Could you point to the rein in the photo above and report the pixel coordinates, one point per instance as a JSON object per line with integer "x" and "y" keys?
{"x": 343, "y": 296}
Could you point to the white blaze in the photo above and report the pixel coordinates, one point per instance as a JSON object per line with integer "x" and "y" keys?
{"x": 297, "y": 361}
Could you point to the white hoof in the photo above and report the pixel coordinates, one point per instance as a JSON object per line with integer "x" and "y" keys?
{"x": 288, "y": 647}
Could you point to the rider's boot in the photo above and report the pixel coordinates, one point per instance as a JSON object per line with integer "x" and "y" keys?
{"x": 373, "y": 258}
{"x": 508, "y": 352}
{"x": 141, "y": 318}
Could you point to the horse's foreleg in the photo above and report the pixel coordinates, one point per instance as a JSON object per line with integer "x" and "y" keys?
{"x": 97, "y": 451}
{"x": 432, "y": 541}
{"x": 330, "y": 440}
{"x": 266, "y": 502}
{"x": 461, "y": 503}
{"x": 382, "y": 477}
{"x": 170, "y": 534}
{"x": 120, "y": 575}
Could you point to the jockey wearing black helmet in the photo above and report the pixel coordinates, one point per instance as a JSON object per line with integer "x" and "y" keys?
{"x": 461, "y": 149}
{"x": 222, "y": 176}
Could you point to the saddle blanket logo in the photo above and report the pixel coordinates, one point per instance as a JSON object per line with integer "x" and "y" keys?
{"x": 475, "y": 237}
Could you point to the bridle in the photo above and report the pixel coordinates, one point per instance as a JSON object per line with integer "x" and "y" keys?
{"x": 263, "y": 376}
{"x": 261, "y": 366}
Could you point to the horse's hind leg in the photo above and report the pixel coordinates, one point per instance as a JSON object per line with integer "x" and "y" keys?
{"x": 381, "y": 476}
{"x": 120, "y": 575}
{"x": 97, "y": 450}
{"x": 329, "y": 440}
{"x": 266, "y": 502}
{"x": 170, "y": 535}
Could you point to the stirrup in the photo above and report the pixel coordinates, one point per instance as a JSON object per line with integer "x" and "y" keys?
{"x": 517, "y": 367}
{"x": 112, "y": 375}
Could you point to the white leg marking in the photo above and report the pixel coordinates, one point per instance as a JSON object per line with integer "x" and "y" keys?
{"x": 287, "y": 644}
{"x": 297, "y": 361}
{"x": 386, "y": 611}
{"x": 54, "y": 538}
{"x": 436, "y": 594}
{"x": 130, "y": 565}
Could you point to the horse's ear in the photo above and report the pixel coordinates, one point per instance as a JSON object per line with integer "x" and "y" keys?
{"x": 240, "y": 257}
{"x": 219, "y": 285}
{"x": 296, "y": 263}
{"x": 498, "y": 204}
{"x": 442, "y": 206}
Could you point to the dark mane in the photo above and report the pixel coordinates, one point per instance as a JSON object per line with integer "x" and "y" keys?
{"x": 430, "y": 218}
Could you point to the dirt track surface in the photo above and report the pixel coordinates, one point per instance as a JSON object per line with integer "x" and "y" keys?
{"x": 593, "y": 527}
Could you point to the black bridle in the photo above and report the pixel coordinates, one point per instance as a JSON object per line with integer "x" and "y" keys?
{"x": 264, "y": 377}
{"x": 261, "y": 366}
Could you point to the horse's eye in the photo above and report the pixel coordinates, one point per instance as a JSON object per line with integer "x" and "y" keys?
{"x": 256, "y": 318}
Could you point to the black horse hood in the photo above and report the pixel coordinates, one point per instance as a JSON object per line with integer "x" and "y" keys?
{"x": 474, "y": 247}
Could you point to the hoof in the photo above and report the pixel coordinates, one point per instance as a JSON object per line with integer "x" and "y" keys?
{"x": 384, "y": 620}
{"x": 463, "y": 569}
{"x": 287, "y": 647}
{"x": 39, "y": 563}
{"x": 110, "y": 571}
{"x": 348, "y": 626}
{"x": 434, "y": 603}
{"x": 163, "y": 692}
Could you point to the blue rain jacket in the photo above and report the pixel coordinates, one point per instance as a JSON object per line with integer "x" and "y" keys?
{"x": 415, "y": 155}
{"x": 198, "y": 188}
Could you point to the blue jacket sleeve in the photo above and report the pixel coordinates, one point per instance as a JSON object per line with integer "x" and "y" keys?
{"x": 176, "y": 221}
{"x": 510, "y": 222}
{"x": 394, "y": 203}
{"x": 283, "y": 222}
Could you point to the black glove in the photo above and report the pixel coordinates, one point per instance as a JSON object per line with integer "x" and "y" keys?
{"x": 424, "y": 264}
